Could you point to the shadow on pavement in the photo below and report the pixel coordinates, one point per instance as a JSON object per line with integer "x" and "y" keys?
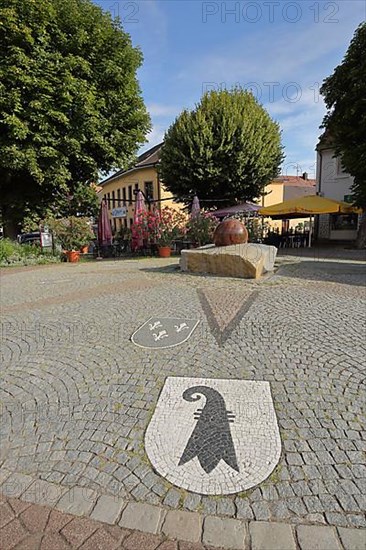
{"x": 342, "y": 272}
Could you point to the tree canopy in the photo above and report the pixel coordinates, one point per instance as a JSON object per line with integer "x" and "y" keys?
{"x": 225, "y": 150}
{"x": 345, "y": 120}
{"x": 70, "y": 102}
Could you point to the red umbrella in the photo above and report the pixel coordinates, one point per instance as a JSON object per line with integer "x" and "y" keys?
{"x": 104, "y": 226}
{"x": 195, "y": 207}
{"x": 139, "y": 209}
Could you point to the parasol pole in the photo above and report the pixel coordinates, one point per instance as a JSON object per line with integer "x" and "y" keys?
{"x": 310, "y": 230}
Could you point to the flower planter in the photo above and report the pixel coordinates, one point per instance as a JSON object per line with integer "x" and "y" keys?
{"x": 73, "y": 256}
{"x": 164, "y": 251}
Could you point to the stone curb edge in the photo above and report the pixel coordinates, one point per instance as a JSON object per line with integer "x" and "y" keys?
{"x": 182, "y": 525}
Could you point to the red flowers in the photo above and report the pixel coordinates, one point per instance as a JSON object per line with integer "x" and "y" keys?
{"x": 161, "y": 228}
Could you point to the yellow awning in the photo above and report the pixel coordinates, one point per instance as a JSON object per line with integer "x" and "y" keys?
{"x": 309, "y": 205}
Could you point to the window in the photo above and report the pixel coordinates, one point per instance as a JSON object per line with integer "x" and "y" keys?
{"x": 118, "y": 197}
{"x": 109, "y": 200}
{"x": 341, "y": 222}
{"x": 124, "y": 196}
{"x": 130, "y": 194}
{"x": 340, "y": 170}
{"x": 131, "y": 221}
{"x": 113, "y": 200}
{"x": 136, "y": 186}
{"x": 125, "y": 222}
{"x": 149, "y": 190}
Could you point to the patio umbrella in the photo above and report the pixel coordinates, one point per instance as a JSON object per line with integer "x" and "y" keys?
{"x": 195, "y": 207}
{"x": 308, "y": 205}
{"x": 139, "y": 209}
{"x": 244, "y": 208}
{"x": 104, "y": 226}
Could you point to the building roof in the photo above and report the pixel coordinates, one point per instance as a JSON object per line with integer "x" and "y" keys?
{"x": 145, "y": 160}
{"x": 325, "y": 141}
{"x": 295, "y": 181}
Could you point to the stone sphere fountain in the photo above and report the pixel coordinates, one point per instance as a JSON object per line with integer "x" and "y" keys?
{"x": 230, "y": 231}
{"x": 231, "y": 255}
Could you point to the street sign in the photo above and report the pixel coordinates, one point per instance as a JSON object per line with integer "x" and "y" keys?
{"x": 120, "y": 212}
{"x": 46, "y": 239}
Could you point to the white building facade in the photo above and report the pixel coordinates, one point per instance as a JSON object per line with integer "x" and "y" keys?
{"x": 334, "y": 183}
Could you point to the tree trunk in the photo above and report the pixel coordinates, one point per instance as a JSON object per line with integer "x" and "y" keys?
{"x": 10, "y": 225}
{"x": 361, "y": 235}
{"x": 11, "y": 229}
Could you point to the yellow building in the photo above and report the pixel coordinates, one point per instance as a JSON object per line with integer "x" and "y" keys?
{"x": 285, "y": 188}
{"x": 119, "y": 190}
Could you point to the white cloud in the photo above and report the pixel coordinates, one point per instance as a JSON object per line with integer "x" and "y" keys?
{"x": 154, "y": 137}
{"x": 162, "y": 110}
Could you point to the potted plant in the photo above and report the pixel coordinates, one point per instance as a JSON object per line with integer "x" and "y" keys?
{"x": 200, "y": 228}
{"x": 171, "y": 226}
{"x": 72, "y": 233}
{"x": 159, "y": 229}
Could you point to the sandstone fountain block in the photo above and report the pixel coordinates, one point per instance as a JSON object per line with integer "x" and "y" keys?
{"x": 248, "y": 260}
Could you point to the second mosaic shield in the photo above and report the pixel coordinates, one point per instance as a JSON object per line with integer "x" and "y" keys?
{"x": 164, "y": 332}
{"x": 212, "y": 436}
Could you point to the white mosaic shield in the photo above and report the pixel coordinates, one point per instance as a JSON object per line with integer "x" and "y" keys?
{"x": 164, "y": 332}
{"x": 213, "y": 436}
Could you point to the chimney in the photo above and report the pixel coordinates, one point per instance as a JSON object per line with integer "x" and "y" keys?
{"x": 305, "y": 176}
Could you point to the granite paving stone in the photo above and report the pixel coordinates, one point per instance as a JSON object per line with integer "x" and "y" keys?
{"x": 224, "y": 532}
{"x": 269, "y": 536}
{"x": 352, "y": 539}
{"x": 143, "y": 517}
{"x": 172, "y": 498}
{"x": 317, "y": 538}
{"x": 108, "y": 509}
{"x": 183, "y": 525}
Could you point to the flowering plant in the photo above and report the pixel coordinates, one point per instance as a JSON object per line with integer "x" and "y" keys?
{"x": 72, "y": 233}
{"x": 159, "y": 228}
{"x": 200, "y": 228}
{"x": 172, "y": 225}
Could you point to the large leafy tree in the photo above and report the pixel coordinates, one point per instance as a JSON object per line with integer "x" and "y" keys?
{"x": 226, "y": 150}
{"x": 345, "y": 120}
{"x": 70, "y": 103}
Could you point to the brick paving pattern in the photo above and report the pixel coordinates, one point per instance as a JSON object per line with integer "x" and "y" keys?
{"x": 77, "y": 395}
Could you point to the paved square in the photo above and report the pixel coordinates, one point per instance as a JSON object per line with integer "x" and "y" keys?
{"x": 214, "y": 437}
{"x": 77, "y": 395}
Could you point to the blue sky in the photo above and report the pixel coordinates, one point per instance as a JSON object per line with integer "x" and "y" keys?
{"x": 282, "y": 50}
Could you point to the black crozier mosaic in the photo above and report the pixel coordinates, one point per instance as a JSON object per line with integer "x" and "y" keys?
{"x": 211, "y": 439}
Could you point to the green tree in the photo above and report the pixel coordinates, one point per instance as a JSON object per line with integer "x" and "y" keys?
{"x": 226, "y": 148}
{"x": 70, "y": 102}
{"x": 83, "y": 202}
{"x": 345, "y": 120}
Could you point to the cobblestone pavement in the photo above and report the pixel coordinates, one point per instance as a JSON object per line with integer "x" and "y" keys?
{"x": 77, "y": 395}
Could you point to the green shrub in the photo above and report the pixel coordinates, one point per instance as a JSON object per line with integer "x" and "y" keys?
{"x": 7, "y": 249}
{"x": 13, "y": 253}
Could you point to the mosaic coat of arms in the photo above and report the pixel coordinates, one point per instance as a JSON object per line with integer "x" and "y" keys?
{"x": 164, "y": 332}
{"x": 214, "y": 436}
